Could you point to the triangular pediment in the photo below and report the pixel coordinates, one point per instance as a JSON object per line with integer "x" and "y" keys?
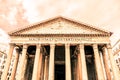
{"x": 59, "y": 25}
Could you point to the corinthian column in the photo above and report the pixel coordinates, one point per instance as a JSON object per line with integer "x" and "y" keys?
{"x": 40, "y": 65}
{"x": 116, "y": 73}
{"x": 15, "y": 64}
{"x": 45, "y": 67}
{"x": 99, "y": 69}
{"x": 8, "y": 61}
{"x": 35, "y": 68}
{"x": 107, "y": 68}
{"x": 103, "y": 67}
{"x": 51, "y": 63}
{"x": 78, "y": 70}
{"x": 24, "y": 51}
{"x": 83, "y": 63}
{"x": 67, "y": 62}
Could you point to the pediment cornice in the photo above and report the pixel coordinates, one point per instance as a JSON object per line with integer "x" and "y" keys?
{"x": 59, "y": 19}
{"x": 61, "y": 35}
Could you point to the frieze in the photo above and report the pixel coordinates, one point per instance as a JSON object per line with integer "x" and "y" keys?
{"x": 60, "y": 39}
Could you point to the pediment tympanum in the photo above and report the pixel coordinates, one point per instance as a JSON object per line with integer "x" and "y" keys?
{"x": 59, "y": 25}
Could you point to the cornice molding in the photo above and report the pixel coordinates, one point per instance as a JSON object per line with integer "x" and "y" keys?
{"x": 59, "y": 18}
{"x": 60, "y": 35}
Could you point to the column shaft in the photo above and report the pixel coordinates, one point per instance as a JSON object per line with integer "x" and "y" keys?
{"x": 107, "y": 68}
{"x": 79, "y": 67}
{"x": 116, "y": 74}
{"x": 99, "y": 70}
{"x": 51, "y": 63}
{"x": 67, "y": 62}
{"x": 40, "y": 66}
{"x": 45, "y": 67}
{"x": 8, "y": 61}
{"x": 36, "y": 62}
{"x": 101, "y": 60}
{"x": 83, "y": 63}
{"x": 77, "y": 71}
{"x": 15, "y": 65}
{"x": 24, "y": 68}
{"x": 24, "y": 51}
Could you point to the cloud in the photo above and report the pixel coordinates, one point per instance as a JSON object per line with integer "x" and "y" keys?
{"x": 4, "y": 38}
{"x": 92, "y": 12}
{"x": 39, "y": 10}
{"x": 98, "y": 12}
{"x": 11, "y": 14}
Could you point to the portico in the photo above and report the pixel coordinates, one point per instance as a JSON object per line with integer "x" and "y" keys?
{"x": 62, "y": 49}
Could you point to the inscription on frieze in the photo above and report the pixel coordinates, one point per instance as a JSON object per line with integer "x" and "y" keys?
{"x": 60, "y": 39}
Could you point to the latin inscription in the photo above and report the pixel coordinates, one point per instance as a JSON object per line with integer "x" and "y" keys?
{"x": 60, "y": 39}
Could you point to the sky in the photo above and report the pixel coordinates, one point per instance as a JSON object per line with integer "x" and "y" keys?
{"x": 104, "y": 14}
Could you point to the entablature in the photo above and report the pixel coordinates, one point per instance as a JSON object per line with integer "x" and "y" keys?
{"x": 60, "y": 39}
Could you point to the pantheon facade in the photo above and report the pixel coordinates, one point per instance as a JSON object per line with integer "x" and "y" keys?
{"x": 61, "y": 49}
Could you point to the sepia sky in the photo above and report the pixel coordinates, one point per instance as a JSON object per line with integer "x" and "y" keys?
{"x": 104, "y": 14}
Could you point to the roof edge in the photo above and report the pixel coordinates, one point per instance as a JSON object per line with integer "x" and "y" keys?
{"x": 54, "y": 18}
